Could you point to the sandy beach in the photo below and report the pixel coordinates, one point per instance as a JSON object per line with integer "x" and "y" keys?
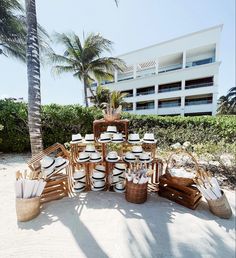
{"x": 105, "y": 225}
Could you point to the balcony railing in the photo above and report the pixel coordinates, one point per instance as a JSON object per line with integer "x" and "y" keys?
{"x": 200, "y": 62}
{"x": 169, "y": 105}
{"x": 145, "y": 93}
{"x": 129, "y": 95}
{"x": 169, "y": 68}
{"x": 145, "y": 72}
{"x": 198, "y": 102}
{"x": 128, "y": 109}
{"x": 145, "y": 107}
{"x": 199, "y": 85}
{"x": 169, "y": 89}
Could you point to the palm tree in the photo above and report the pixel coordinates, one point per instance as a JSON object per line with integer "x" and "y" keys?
{"x": 33, "y": 71}
{"x": 13, "y": 31}
{"x": 227, "y": 104}
{"x": 85, "y": 60}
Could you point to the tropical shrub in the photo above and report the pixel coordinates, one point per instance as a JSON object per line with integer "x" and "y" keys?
{"x": 59, "y": 122}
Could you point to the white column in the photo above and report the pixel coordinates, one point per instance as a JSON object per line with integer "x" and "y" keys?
{"x": 135, "y": 71}
{"x": 115, "y": 75}
{"x": 183, "y": 85}
{"x": 214, "y": 103}
{"x": 134, "y": 107}
{"x": 156, "y": 106}
{"x": 156, "y": 67}
{"x": 156, "y": 89}
{"x": 184, "y": 59}
{"x": 182, "y": 106}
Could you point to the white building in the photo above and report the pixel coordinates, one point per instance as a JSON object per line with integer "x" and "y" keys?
{"x": 175, "y": 77}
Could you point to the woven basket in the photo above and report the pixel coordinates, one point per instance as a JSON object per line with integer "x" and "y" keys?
{"x": 181, "y": 180}
{"x": 111, "y": 118}
{"x": 27, "y": 209}
{"x": 220, "y": 207}
{"x": 136, "y": 193}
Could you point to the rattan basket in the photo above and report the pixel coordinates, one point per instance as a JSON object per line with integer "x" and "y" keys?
{"x": 136, "y": 193}
{"x": 27, "y": 209}
{"x": 220, "y": 207}
{"x": 181, "y": 180}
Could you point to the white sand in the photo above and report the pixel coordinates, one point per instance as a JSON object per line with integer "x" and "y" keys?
{"x": 105, "y": 225}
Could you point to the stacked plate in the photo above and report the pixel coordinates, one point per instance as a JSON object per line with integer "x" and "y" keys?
{"x": 98, "y": 178}
{"x": 118, "y": 178}
{"x": 80, "y": 180}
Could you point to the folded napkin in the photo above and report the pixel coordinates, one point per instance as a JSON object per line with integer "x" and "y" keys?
{"x": 181, "y": 172}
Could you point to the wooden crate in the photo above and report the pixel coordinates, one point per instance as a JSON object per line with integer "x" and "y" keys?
{"x": 188, "y": 196}
{"x": 58, "y": 184}
{"x": 56, "y": 188}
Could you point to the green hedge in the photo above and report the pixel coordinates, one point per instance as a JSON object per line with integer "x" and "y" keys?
{"x": 59, "y": 122}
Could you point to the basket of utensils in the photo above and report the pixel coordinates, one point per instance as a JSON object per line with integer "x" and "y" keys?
{"x": 136, "y": 185}
{"x": 216, "y": 198}
{"x": 181, "y": 168}
{"x": 28, "y": 187}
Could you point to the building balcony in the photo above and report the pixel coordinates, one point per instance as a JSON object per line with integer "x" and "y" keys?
{"x": 127, "y": 109}
{"x": 129, "y": 93}
{"x": 200, "y": 62}
{"x": 170, "y": 103}
{"x": 144, "y": 105}
{"x": 145, "y": 91}
{"x": 169, "y": 111}
{"x": 197, "y": 100}
{"x": 169, "y": 68}
{"x": 199, "y": 85}
{"x": 198, "y": 108}
{"x": 169, "y": 87}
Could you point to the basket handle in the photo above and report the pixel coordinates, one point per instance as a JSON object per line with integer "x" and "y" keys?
{"x": 185, "y": 152}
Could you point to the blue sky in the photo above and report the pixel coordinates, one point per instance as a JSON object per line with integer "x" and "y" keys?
{"x": 134, "y": 24}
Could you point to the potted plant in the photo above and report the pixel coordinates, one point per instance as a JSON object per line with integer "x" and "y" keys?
{"x": 114, "y": 107}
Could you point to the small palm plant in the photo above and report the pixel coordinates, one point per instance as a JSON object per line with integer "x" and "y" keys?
{"x": 114, "y": 106}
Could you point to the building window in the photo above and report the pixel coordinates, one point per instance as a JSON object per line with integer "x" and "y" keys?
{"x": 145, "y": 91}
{"x": 199, "y": 83}
{"x": 198, "y": 100}
{"x": 145, "y": 105}
{"x": 128, "y": 92}
{"x": 128, "y": 107}
{"x": 169, "y": 87}
{"x": 169, "y": 103}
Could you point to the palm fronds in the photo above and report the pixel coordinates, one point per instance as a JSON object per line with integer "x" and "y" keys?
{"x": 13, "y": 31}
{"x": 85, "y": 59}
{"x": 227, "y": 104}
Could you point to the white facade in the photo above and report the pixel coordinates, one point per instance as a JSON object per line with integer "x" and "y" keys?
{"x": 176, "y": 77}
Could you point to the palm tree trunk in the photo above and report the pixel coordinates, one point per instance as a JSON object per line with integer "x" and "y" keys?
{"x": 33, "y": 71}
{"x": 85, "y": 92}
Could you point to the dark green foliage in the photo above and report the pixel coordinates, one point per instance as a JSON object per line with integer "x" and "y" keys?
{"x": 199, "y": 129}
{"x": 59, "y": 122}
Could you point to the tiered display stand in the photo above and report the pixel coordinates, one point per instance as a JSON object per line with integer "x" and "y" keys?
{"x": 100, "y": 126}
